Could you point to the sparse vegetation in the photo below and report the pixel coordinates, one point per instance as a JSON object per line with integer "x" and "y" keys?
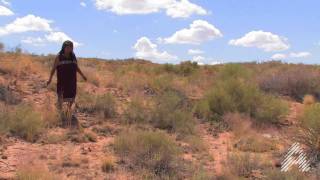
{"x": 35, "y": 174}
{"x": 295, "y": 174}
{"x": 106, "y": 105}
{"x": 108, "y": 165}
{"x": 8, "y": 96}
{"x": 161, "y": 137}
{"x": 136, "y": 111}
{"x": 243, "y": 165}
{"x": 308, "y": 100}
{"x": 295, "y": 82}
{"x": 311, "y": 128}
{"x": 102, "y": 104}
{"x": 171, "y": 113}
{"x": 234, "y": 93}
{"x": 255, "y": 143}
{"x": 154, "y": 151}
{"x": 23, "y": 121}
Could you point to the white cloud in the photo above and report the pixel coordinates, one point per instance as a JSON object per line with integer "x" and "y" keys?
{"x": 195, "y": 51}
{"x": 291, "y": 55}
{"x": 25, "y": 24}
{"x": 300, "y": 54}
{"x": 215, "y": 62}
{"x": 204, "y": 60}
{"x": 184, "y": 9}
{"x": 262, "y": 40}
{"x": 145, "y": 49}
{"x": 198, "y": 32}
{"x": 34, "y": 41}
{"x": 5, "y": 2}
{"x": 83, "y": 4}
{"x": 4, "y": 11}
{"x": 173, "y": 8}
{"x": 52, "y": 37}
{"x": 60, "y": 37}
{"x": 279, "y": 56}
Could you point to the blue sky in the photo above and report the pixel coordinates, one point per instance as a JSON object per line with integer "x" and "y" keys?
{"x": 206, "y": 31}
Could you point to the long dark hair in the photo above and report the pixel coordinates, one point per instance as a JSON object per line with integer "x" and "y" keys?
{"x": 66, "y": 44}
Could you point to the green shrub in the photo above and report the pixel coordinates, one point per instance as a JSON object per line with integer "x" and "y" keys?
{"x": 106, "y": 104}
{"x": 234, "y": 71}
{"x": 233, "y": 95}
{"x": 171, "y": 113}
{"x": 161, "y": 83}
{"x": 234, "y": 92}
{"x": 270, "y": 109}
{"x": 154, "y": 151}
{"x": 25, "y": 122}
{"x": 311, "y": 127}
{"x": 185, "y": 68}
{"x": 136, "y": 112}
{"x": 201, "y": 109}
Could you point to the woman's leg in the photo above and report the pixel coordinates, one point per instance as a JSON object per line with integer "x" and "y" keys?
{"x": 59, "y": 103}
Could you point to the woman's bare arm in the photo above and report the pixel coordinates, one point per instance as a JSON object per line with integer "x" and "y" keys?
{"x": 80, "y": 72}
{"x": 53, "y": 70}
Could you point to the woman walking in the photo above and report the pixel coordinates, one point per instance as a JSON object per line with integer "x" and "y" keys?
{"x": 67, "y": 68}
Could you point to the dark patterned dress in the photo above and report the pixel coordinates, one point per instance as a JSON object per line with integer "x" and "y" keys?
{"x": 67, "y": 78}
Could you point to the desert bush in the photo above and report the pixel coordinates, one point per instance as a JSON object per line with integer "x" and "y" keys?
{"x": 201, "y": 109}
{"x": 311, "y": 128}
{"x": 184, "y": 68}
{"x": 86, "y": 102}
{"x": 308, "y": 100}
{"x": 108, "y": 165}
{"x": 234, "y": 92}
{"x": 25, "y": 122}
{"x": 234, "y": 71}
{"x": 270, "y": 109}
{"x": 233, "y": 95}
{"x": 154, "y": 151}
{"x": 106, "y": 105}
{"x": 255, "y": 143}
{"x": 196, "y": 143}
{"x": 136, "y": 112}
{"x": 50, "y": 114}
{"x": 8, "y": 96}
{"x": 103, "y": 104}
{"x": 4, "y": 119}
{"x": 35, "y": 174}
{"x": 54, "y": 138}
{"x": 92, "y": 76}
{"x": 161, "y": 83}
{"x": 201, "y": 174}
{"x": 294, "y": 174}
{"x": 295, "y": 82}
{"x": 242, "y": 164}
{"x": 171, "y": 113}
{"x": 239, "y": 124}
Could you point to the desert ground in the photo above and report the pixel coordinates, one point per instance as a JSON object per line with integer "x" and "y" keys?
{"x": 139, "y": 120}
